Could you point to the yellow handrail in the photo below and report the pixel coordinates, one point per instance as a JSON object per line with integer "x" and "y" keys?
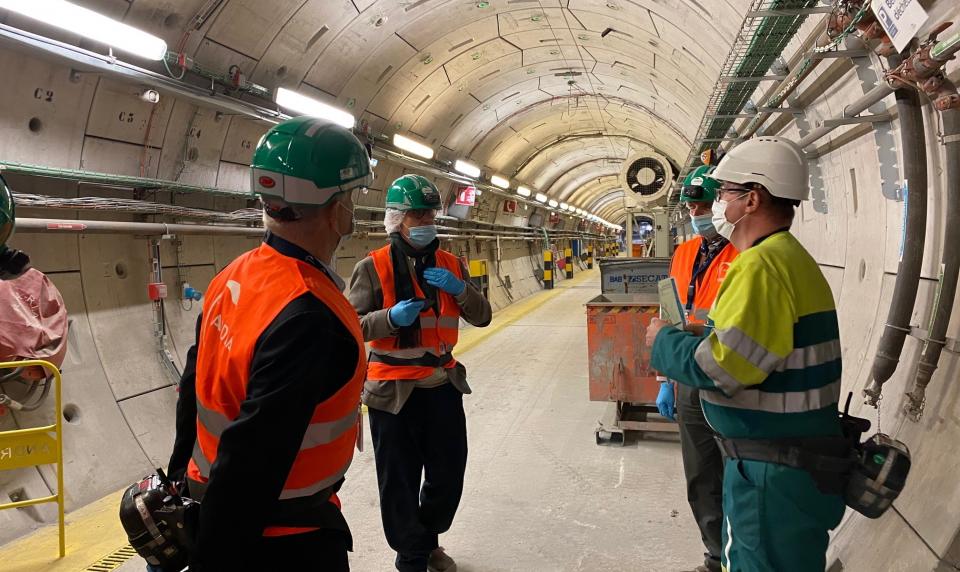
{"x": 32, "y": 447}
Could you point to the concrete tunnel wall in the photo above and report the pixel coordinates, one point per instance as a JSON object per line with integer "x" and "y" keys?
{"x": 115, "y": 381}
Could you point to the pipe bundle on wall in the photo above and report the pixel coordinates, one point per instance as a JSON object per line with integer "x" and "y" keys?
{"x": 914, "y": 152}
{"x": 950, "y": 269}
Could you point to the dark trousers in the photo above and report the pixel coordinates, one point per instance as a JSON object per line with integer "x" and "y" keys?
{"x": 425, "y": 443}
{"x": 703, "y": 467}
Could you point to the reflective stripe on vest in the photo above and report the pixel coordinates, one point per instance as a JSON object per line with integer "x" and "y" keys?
{"x": 681, "y": 269}
{"x": 234, "y": 319}
{"x": 438, "y": 333}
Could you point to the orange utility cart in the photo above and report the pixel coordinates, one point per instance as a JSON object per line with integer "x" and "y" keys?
{"x": 620, "y": 364}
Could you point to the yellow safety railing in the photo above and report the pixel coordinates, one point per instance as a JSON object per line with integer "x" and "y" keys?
{"x": 35, "y": 446}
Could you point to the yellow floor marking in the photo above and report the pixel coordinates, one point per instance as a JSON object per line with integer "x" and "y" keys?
{"x": 507, "y": 316}
{"x": 94, "y": 531}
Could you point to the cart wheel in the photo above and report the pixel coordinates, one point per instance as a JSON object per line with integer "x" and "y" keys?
{"x": 601, "y": 436}
{"x": 618, "y": 438}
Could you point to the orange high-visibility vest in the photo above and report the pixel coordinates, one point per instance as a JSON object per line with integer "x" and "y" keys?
{"x": 438, "y": 332}
{"x": 241, "y": 302}
{"x": 708, "y": 284}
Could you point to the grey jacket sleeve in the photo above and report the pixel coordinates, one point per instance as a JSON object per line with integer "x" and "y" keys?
{"x": 366, "y": 295}
{"x": 474, "y": 308}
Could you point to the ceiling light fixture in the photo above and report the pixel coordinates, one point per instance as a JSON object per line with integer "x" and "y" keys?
{"x": 467, "y": 169}
{"x": 499, "y": 181}
{"x": 542, "y": 198}
{"x": 553, "y": 204}
{"x": 91, "y": 25}
{"x": 414, "y": 147}
{"x": 523, "y": 191}
{"x": 565, "y": 206}
{"x": 308, "y": 106}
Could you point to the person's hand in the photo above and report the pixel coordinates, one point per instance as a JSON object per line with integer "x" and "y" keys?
{"x": 654, "y": 328}
{"x": 666, "y": 400}
{"x": 403, "y": 313}
{"x": 445, "y": 280}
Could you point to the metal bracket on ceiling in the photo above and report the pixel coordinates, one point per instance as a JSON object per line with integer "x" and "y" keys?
{"x": 870, "y": 73}
{"x": 731, "y": 115}
{"x": 874, "y": 118}
{"x": 817, "y": 186}
{"x": 788, "y": 109}
{"x": 833, "y": 54}
{"x": 718, "y": 139}
{"x": 789, "y": 12}
{"x": 737, "y": 79}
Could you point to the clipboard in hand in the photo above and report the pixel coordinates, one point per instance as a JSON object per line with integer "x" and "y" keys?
{"x": 671, "y": 309}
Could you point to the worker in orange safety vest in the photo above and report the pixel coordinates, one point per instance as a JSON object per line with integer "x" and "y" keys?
{"x": 699, "y": 266}
{"x": 411, "y": 295}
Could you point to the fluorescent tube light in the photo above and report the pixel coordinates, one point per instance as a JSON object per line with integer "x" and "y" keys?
{"x": 553, "y": 204}
{"x": 499, "y": 181}
{"x": 309, "y": 106}
{"x": 414, "y": 147}
{"x": 89, "y": 24}
{"x": 467, "y": 169}
{"x": 565, "y": 206}
{"x": 541, "y": 197}
{"x": 523, "y": 191}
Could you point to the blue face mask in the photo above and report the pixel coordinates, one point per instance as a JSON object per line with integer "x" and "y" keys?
{"x": 703, "y": 225}
{"x": 421, "y": 236}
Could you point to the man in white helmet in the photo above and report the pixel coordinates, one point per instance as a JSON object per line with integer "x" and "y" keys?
{"x": 768, "y": 368}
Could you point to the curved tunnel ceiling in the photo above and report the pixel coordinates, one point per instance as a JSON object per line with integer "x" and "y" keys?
{"x": 503, "y": 83}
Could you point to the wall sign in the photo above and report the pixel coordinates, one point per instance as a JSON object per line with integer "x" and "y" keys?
{"x": 466, "y": 196}
{"x": 901, "y": 19}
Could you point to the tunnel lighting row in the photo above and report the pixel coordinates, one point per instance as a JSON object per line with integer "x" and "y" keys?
{"x": 117, "y": 35}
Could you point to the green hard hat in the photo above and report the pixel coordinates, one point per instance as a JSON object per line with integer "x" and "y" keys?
{"x": 412, "y": 192}
{"x": 698, "y": 187}
{"x": 308, "y": 161}
{"x": 7, "y": 213}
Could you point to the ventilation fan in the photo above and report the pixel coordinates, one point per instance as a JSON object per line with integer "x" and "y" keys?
{"x": 647, "y": 176}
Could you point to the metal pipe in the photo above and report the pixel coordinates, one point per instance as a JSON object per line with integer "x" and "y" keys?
{"x": 950, "y": 269}
{"x": 35, "y": 225}
{"x": 857, "y": 107}
{"x": 137, "y": 228}
{"x": 914, "y": 152}
{"x": 942, "y": 52}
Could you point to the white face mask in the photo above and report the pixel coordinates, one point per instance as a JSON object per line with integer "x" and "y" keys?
{"x": 724, "y": 227}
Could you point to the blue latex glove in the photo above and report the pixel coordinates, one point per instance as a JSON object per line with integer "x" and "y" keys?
{"x": 666, "y": 401}
{"x": 403, "y": 313}
{"x": 445, "y": 280}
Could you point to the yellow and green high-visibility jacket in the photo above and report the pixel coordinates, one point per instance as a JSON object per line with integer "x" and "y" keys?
{"x": 771, "y": 363}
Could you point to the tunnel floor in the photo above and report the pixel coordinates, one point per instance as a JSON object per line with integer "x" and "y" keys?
{"x": 540, "y": 494}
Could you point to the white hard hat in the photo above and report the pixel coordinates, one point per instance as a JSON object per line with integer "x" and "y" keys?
{"x": 776, "y": 163}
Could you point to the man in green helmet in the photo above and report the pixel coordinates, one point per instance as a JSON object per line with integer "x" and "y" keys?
{"x": 268, "y": 412}
{"x": 13, "y": 262}
{"x": 699, "y": 266}
{"x": 411, "y": 295}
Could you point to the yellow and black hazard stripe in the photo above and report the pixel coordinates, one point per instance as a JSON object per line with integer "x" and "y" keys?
{"x": 568, "y": 258}
{"x": 548, "y": 269}
{"x": 590, "y": 257}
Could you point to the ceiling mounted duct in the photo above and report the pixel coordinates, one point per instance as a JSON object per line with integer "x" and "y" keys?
{"x": 647, "y": 175}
